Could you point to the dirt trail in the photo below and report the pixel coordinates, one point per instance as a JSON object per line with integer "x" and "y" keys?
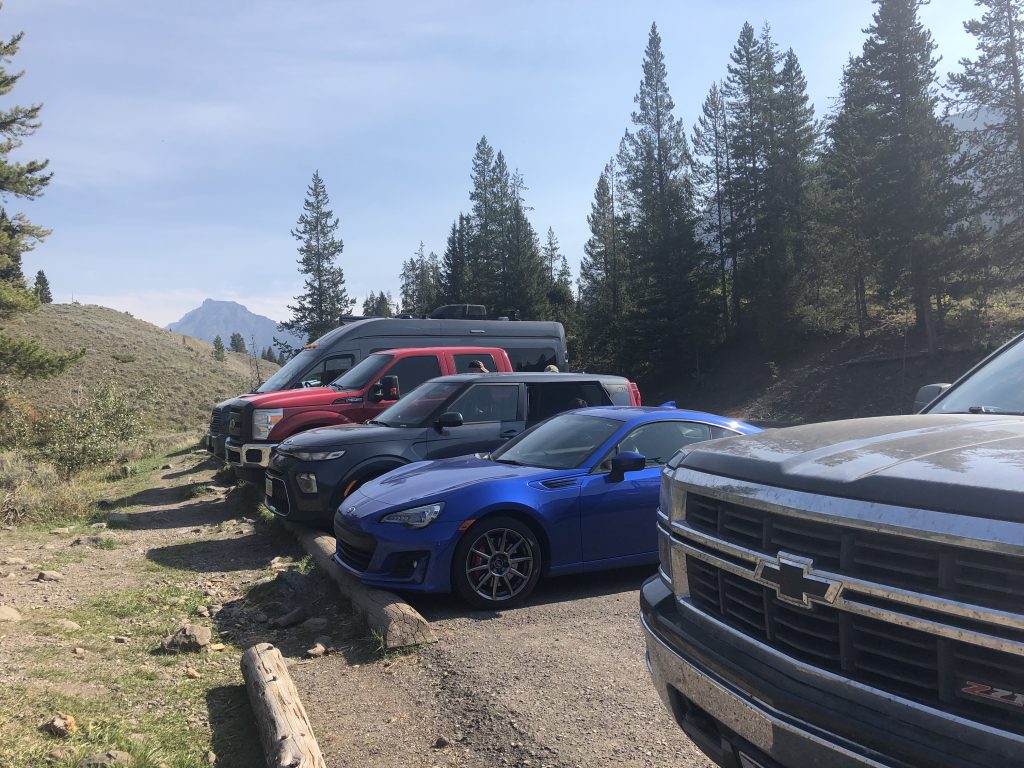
{"x": 558, "y": 682}
{"x": 180, "y": 551}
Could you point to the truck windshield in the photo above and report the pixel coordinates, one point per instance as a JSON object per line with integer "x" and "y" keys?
{"x": 562, "y": 442}
{"x": 291, "y": 370}
{"x": 997, "y": 387}
{"x": 413, "y": 409}
{"x": 362, "y": 374}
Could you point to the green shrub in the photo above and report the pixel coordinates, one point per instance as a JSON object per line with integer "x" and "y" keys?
{"x": 94, "y": 431}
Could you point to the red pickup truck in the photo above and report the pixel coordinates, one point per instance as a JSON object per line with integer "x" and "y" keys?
{"x": 258, "y": 422}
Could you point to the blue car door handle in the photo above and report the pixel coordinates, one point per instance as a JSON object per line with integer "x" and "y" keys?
{"x": 510, "y": 433}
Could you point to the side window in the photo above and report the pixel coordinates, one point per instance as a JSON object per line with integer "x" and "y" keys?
{"x": 413, "y": 371}
{"x": 535, "y": 359}
{"x": 488, "y": 402}
{"x": 326, "y": 371}
{"x": 619, "y": 393}
{"x": 462, "y": 362}
{"x": 547, "y": 399}
{"x": 717, "y": 432}
{"x": 658, "y": 441}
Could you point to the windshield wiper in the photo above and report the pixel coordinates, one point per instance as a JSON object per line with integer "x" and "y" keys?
{"x": 992, "y": 409}
{"x": 378, "y": 422}
{"x": 513, "y": 462}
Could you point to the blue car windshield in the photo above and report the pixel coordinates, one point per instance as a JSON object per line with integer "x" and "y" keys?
{"x": 562, "y": 442}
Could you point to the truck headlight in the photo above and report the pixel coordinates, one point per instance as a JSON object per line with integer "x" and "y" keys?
{"x": 415, "y": 517}
{"x": 317, "y": 455}
{"x": 264, "y": 420}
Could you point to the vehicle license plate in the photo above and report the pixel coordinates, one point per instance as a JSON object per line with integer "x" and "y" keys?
{"x": 268, "y": 487}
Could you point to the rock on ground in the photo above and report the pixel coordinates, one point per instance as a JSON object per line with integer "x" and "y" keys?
{"x": 191, "y": 637}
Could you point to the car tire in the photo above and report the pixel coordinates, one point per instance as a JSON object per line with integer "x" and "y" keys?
{"x": 497, "y": 563}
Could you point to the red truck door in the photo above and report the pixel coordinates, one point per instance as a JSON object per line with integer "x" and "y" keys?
{"x": 411, "y": 370}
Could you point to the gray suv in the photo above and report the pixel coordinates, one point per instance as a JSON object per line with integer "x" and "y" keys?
{"x": 851, "y": 593}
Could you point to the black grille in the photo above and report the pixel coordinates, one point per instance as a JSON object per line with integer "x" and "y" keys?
{"x": 278, "y": 496}
{"x": 902, "y": 661}
{"x": 217, "y": 421}
{"x": 355, "y": 550}
{"x": 988, "y": 579}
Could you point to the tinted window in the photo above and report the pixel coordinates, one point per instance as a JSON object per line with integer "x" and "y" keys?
{"x": 619, "y": 393}
{"x": 717, "y": 432}
{"x": 536, "y": 359}
{"x": 299, "y": 363}
{"x": 413, "y": 371}
{"x": 415, "y": 407}
{"x": 462, "y": 362}
{"x": 547, "y": 399}
{"x": 658, "y": 441}
{"x": 325, "y": 371}
{"x": 488, "y": 402}
{"x": 358, "y": 377}
{"x": 564, "y": 442}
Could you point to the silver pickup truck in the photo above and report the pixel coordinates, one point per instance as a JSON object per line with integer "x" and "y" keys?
{"x": 851, "y": 593}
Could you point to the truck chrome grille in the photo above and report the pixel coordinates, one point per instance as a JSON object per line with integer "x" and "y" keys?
{"x": 988, "y": 579}
{"x": 899, "y": 660}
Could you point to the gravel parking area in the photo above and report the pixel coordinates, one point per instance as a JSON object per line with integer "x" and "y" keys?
{"x": 558, "y": 682}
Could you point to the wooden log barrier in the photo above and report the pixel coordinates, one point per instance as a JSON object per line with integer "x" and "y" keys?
{"x": 287, "y": 736}
{"x": 398, "y": 623}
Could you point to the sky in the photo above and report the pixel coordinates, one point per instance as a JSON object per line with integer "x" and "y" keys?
{"x": 182, "y": 136}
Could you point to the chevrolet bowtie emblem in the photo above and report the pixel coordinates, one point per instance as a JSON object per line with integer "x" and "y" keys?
{"x": 793, "y": 580}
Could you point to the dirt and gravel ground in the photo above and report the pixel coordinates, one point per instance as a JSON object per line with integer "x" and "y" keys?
{"x": 558, "y": 682}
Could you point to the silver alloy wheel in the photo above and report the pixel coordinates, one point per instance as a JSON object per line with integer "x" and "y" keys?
{"x": 499, "y": 564}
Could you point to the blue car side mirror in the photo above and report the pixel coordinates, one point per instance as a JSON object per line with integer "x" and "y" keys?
{"x": 627, "y": 461}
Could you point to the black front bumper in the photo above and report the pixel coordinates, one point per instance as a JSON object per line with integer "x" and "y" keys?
{"x": 285, "y": 499}
{"x": 215, "y": 444}
{"x": 742, "y": 701}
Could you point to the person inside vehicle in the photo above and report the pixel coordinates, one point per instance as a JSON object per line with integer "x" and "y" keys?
{"x": 551, "y": 369}
{"x": 475, "y": 366}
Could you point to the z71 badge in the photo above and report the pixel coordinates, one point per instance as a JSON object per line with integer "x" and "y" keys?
{"x": 998, "y": 695}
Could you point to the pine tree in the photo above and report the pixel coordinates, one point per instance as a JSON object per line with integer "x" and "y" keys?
{"x": 25, "y": 180}
{"x": 990, "y": 91}
{"x": 378, "y": 305}
{"x": 42, "y": 288}
{"x": 662, "y": 245}
{"x": 712, "y": 172}
{"x": 319, "y": 308}
{"x": 455, "y": 277}
{"x": 485, "y": 220}
{"x": 915, "y": 205}
{"x": 602, "y": 278}
{"x": 551, "y": 254}
{"x": 237, "y": 343}
{"x": 420, "y": 282}
{"x": 218, "y": 348}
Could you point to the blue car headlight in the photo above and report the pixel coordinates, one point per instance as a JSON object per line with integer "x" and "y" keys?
{"x": 415, "y": 517}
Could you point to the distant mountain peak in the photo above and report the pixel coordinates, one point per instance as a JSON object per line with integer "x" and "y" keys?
{"x": 222, "y": 317}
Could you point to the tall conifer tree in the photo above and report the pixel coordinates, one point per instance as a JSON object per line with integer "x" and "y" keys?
{"x": 324, "y": 299}
{"x": 990, "y": 90}
{"x": 663, "y": 249}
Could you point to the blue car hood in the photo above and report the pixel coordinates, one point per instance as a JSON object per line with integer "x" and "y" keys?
{"x": 436, "y": 479}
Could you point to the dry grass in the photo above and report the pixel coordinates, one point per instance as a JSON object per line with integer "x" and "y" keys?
{"x": 179, "y": 372}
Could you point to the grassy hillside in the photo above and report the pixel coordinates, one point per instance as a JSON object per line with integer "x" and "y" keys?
{"x": 178, "y": 373}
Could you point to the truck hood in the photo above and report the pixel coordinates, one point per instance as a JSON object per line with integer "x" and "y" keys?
{"x": 339, "y": 436}
{"x": 431, "y": 480}
{"x": 955, "y": 463}
{"x": 292, "y": 398}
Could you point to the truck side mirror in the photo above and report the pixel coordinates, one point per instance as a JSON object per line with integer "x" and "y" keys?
{"x": 449, "y": 419}
{"x": 385, "y": 389}
{"x": 627, "y": 461}
{"x": 927, "y": 393}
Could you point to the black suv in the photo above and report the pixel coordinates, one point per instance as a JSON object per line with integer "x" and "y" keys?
{"x": 311, "y": 472}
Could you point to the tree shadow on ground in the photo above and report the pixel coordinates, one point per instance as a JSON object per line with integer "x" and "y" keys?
{"x": 249, "y": 619}
{"x": 561, "y": 589}
{"x": 244, "y": 552}
{"x": 236, "y": 742}
{"x": 201, "y": 511}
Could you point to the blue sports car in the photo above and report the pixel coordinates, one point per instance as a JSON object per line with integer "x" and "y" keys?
{"x": 577, "y": 492}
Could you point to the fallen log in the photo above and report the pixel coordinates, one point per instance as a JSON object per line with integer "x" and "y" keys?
{"x": 287, "y": 736}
